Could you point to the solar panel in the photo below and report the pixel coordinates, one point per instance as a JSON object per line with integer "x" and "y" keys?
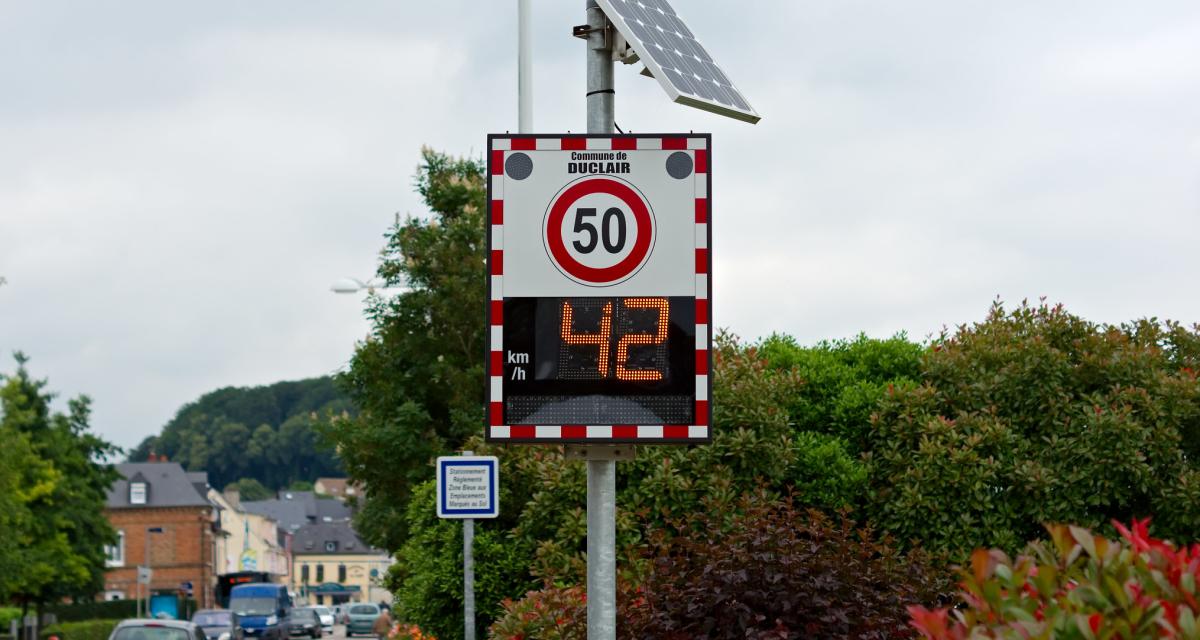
{"x": 675, "y": 58}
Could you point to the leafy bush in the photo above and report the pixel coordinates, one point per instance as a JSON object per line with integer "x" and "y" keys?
{"x": 1080, "y": 586}
{"x": 841, "y": 382}
{"x": 776, "y": 571}
{"x": 101, "y": 610}
{"x": 7, "y": 615}
{"x": 82, "y": 630}
{"x": 551, "y": 613}
{"x": 1036, "y": 415}
{"x": 409, "y": 632}
{"x": 427, "y": 577}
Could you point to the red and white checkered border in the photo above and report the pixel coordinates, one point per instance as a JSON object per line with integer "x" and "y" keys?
{"x": 544, "y": 434}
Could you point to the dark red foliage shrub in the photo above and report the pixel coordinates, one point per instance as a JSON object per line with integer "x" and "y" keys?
{"x": 775, "y": 571}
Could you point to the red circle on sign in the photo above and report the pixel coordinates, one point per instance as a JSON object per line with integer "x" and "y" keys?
{"x": 598, "y": 275}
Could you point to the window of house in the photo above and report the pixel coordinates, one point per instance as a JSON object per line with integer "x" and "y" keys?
{"x": 304, "y": 573}
{"x": 137, "y": 493}
{"x": 331, "y": 545}
{"x": 320, "y": 573}
{"x": 114, "y": 555}
{"x": 341, "y": 573}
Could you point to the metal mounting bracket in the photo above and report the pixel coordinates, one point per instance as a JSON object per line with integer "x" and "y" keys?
{"x": 584, "y": 30}
{"x": 623, "y": 452}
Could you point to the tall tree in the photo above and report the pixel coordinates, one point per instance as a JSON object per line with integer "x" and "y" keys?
{"x": 266, "y": 433}
{"x": 23, "y": 478}
{"x": 64, "y": 556}
{"x": 418, "y": 377}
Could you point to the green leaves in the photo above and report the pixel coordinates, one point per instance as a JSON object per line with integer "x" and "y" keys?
{"x": 1036, "y": 415}
{"x": 53, "y": 483}
{"x": 268, "y": 434}
{"x": 418, "y": 377}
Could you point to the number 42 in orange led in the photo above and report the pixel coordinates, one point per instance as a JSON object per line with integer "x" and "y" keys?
{"x": 602, "y": 340}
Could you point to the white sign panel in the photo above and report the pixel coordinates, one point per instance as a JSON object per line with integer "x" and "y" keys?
{"x": 468, "y": 487}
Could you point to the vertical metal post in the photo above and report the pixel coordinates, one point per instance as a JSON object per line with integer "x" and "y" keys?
{"x": 601, "y": 473}
{"x": 146, "y": 609}
{"x": 600, "y": 97}
{"x": 524, "y": 68}
{"x": 468, "y": 575}
{"x": 602, "y": 549}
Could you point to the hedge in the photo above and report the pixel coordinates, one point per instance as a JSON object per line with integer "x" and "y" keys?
{"x": 105, "y": 610}
{"x": 84, "y": 630}
{"x": 102, "y": 610}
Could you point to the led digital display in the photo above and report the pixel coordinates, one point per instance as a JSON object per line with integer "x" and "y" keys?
{"x": 599, "y": 360}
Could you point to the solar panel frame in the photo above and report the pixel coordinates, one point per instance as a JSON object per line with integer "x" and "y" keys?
{"x": 647, "y": 38}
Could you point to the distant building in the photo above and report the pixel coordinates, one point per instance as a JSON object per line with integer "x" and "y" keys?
{"x": 161, "y": 514}
{"x": 332, "y": 565}
{"x": 340, "y": 488}
{"x": 294, "y": 509}
{"x": 250, "y": 547}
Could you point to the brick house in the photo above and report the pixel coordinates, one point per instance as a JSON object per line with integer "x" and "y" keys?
{"x": 162, "y": 497}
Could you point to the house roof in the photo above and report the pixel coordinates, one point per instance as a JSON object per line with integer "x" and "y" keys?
{"x": 289, "y": 515}
{"x": 167, "y": 485}
{"x": 311, "y": 539}
{"x": 199, "y": 479}
{"x": 294, "y": 509}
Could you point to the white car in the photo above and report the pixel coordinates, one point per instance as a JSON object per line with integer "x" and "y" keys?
{"x": 326, "y": 617}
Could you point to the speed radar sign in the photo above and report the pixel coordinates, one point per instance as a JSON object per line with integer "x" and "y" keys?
{"x": 599, "y": 288}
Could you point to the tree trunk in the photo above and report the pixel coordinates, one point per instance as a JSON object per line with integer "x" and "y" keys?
{"x": 21, "y": 634}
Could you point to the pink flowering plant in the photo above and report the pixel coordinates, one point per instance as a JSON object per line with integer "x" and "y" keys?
{"x": 1079, "y": 585}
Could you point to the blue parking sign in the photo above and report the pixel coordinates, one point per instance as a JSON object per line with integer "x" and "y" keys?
{"x": 468, "y": 487}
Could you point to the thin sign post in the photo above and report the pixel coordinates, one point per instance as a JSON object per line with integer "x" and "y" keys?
{"x": 468, "y": 487}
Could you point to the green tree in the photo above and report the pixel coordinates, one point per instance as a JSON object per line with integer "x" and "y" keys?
{"x": 268, "y": 433}
{"x": 24, "y": 478}
{"x": 1038, "y": 416}
{"x": 418, "y": 377}
{"x": 250, "y": 489}
{"x": 64, "y": 555}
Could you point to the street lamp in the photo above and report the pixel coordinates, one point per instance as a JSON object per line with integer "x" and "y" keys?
{"x": 149, "y": 530}
{"x": 354, "y": 285}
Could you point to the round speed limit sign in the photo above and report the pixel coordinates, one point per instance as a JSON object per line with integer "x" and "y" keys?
{"x": 599, "y": 230}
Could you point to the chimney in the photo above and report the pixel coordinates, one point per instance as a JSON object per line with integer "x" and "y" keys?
{"x": 233, "y": 497}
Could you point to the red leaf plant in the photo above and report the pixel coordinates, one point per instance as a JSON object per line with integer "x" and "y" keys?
{"x": 1076, "y": 586}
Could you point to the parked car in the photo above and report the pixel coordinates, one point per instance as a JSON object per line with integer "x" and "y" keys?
{"x": 260, "y": 611}
{"x": 362, "y": 618}
{"x": 217, "y": 624}
{"x": 157, "y": 630}
{"x": 326, "y": 617}
{"x": 304, "y": 622}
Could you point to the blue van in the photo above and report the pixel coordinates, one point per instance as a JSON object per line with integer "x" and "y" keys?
{"x": 260, "y": 610}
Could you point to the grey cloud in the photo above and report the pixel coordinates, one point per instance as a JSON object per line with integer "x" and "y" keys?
{"x": 179, "y": 183}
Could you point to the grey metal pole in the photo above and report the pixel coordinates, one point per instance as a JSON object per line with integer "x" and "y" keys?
{"x": 600, "y": 97}
{"x": 524, "y": 68}
{"x": 602, "y": 549}
{"x": 146, "y": 609}
{"x": 468, "y": 575}
{"x": 469, "y": 579}
{"x": 601, "y": 473}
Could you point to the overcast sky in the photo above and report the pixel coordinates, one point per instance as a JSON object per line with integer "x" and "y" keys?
{"x": 180, "y": 182}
